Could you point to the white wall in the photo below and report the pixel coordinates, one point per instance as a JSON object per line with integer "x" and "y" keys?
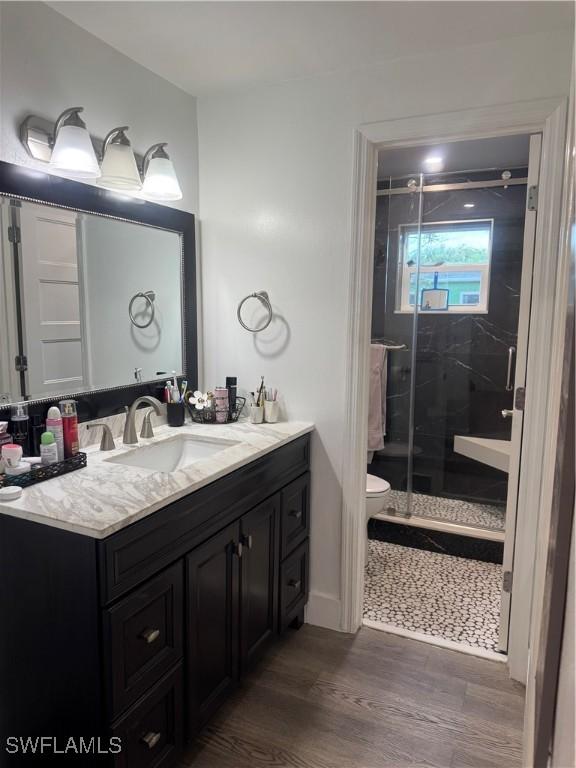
{"x": 275, "y": 202}
{"x": 47, "y": 64}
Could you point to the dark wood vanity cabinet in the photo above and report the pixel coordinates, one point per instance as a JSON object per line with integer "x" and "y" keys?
{"x": 143, "y": 635}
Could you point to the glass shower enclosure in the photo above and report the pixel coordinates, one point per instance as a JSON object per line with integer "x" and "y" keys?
{"x": 446, "y": 300}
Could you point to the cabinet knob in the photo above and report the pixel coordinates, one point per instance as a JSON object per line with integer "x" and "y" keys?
{"x": 295, "y": 583}
{"x": 297, "y": 513}
{"x": 151, "y": 739}
{"x": 238, "y": 548}
{"x": 150, "y": 635}
{"x": 247, "y": 541}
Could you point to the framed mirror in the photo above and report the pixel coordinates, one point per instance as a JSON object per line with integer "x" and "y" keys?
{"x": 97, "y": 292}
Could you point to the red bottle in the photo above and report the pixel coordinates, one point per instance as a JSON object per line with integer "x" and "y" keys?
{"x": 69, "y": 427}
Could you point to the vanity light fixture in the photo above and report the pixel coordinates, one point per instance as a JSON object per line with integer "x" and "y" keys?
{"x": 66, "y": 146}
{"x": 119, "y": 169}
{"x": 72, "y": 152}
{"x": 160, "y": 182}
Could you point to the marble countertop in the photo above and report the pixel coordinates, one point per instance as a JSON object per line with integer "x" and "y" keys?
{"x": 105, "y": 497}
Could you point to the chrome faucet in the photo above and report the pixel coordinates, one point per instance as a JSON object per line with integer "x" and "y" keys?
{"x": 130, "y": 436}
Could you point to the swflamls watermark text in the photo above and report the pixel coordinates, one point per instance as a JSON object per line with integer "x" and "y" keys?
{"x": 71, "y": 745}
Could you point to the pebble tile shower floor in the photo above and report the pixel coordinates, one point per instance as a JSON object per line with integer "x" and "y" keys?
{"x": 448, "y": 597}
{"x": 452, "y": 510}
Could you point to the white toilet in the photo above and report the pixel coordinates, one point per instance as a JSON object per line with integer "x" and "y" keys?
{"x": 376, "y": 491}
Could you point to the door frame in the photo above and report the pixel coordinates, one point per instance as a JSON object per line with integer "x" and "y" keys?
{"x": 547, "y": 116}
{"x": 520, "y": 374}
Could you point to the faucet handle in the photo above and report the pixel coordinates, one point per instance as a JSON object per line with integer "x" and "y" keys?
{"x": 147, "y": 430}
{"x": 107, "y": 442}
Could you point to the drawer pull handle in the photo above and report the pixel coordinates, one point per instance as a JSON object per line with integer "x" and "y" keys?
{"x": 247, "y": 541}
{"x": 297, "y": 513}
{"x": 151, "y": 739}
{"x": 295, "y": 583}
{"x": 150, "y": 635}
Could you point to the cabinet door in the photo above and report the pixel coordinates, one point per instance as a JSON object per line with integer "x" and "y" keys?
{"x": 259, "y": 577}
{"x": 212, "y": 622}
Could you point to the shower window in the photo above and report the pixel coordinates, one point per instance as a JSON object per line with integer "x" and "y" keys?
{"x": 454, "y": 257}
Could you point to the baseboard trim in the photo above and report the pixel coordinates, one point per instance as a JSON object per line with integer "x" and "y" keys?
{"x": 438, "y": 641}
{"x": 323, "y": 611}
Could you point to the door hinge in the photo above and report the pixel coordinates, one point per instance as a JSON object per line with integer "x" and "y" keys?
{"x": 532, "y": 204}
{"x": 21, "y": 363}
{"x": 520, "y": 398}
{"x": 14, "y": 235}
{"x": 507, "y": 581}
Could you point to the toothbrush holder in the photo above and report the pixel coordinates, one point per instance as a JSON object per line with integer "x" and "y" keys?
{"x": 271, "y": 411}
{"x": 175, "y": 414}
{"x": 256, "y": 414}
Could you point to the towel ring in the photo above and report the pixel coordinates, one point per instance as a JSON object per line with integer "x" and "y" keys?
{"x": 149, "y": 297}
{"x": 262, "y": 297}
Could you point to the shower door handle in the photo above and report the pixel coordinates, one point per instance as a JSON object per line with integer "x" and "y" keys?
{"x": 509, "y": 384}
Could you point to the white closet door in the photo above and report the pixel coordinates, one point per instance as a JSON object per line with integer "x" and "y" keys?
{"x": 51, "y": 299}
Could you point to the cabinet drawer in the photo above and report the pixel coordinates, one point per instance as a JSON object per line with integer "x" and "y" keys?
{"x": 295, "y": 514}
{"x": 143, "y": 636}
{"x": 152, "y": 731}
{"x": 294, "y": 584}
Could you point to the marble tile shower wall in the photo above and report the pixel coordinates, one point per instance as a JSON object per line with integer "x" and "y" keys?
{"x": 461, "y": 360}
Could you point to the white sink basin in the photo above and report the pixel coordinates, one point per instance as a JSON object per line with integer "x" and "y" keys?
{"x": 172, "y": 454}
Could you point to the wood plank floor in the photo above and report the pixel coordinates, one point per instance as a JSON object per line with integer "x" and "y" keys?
{"x": 322, "y": 699}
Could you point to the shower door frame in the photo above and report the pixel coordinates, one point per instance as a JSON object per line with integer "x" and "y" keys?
{"x": 546, "y": 116}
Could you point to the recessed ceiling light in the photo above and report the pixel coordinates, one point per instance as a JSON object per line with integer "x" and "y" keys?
{"x": 469, "y": 205}
{"x": 434, "y": 163}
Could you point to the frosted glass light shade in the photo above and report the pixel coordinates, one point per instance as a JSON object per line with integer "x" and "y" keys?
{"x": 119, "y": 169}
{"x": 161, "y": 182}
{"x": 73, "y": 153}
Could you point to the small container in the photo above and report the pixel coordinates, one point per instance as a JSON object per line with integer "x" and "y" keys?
{"x": 54, "y": 425}
{"x": 48, "y": 449}
{"x": 20, "y": 426}
{"x": 175, "y": 413}
{"x": 20, "y": 469}
{"x": 69, "y": 428}
{"x": 256, "y": 414}
{"x": 11, "y": 454}
{"x": 10, "y": 493}
{"x": 271, "y": 411}
{"x": 221, "y": 404}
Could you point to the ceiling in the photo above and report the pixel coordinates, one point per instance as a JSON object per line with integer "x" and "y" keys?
{"x": 471, "y": 155}
{"x": 204, "y": 47}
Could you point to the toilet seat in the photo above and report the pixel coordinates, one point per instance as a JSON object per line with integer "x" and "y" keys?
{"x": 376, "y": 486}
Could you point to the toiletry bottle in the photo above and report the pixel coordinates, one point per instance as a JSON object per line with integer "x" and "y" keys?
{"x": 54, "y": 425}
{"x": 221, "y": 404}
{"x": 36, "y": 430}
{"x": 11, "y": 454}
{"x": 231, "y": 386}
{"x": 48, "y": 449}
{"x": 69, "y": 427}
{"x": 20, "y": 426}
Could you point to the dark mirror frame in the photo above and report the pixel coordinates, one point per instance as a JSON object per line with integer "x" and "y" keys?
{"x": 23, "y": 183}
